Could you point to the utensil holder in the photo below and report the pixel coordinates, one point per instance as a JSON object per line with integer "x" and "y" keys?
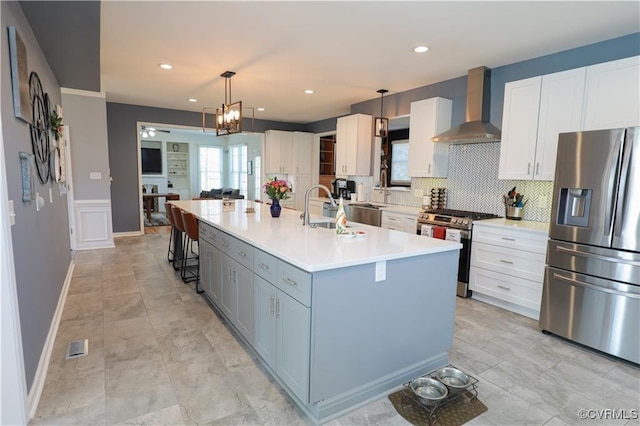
{"x": 514, "y": 213}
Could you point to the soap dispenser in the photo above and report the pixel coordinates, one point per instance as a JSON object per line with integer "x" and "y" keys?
{"x": 341, "y": 219}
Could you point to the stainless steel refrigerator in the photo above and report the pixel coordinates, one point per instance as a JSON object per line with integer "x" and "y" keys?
{"x": 591, "y": 291}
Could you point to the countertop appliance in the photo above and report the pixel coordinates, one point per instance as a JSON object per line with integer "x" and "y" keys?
{"x": 591, "y": 291}
{"x": 437, "y": 221}
{"x": 343, "y": 188}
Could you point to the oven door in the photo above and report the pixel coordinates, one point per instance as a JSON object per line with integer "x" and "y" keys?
{"x": 464, "y": 262}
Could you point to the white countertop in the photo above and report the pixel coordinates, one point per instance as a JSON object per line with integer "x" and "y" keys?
{"x": 311, "y": 249}
{"x": 525, "y": 225}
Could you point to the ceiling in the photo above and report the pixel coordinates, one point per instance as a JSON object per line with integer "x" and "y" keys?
{"x": 345, "y": 51}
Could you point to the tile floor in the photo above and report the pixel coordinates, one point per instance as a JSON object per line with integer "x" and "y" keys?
{"x": 158, "y": 354}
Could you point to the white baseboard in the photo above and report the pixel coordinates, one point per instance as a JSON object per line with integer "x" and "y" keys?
{"x": 128, "y": 234}
{"x": 43, "y": 365}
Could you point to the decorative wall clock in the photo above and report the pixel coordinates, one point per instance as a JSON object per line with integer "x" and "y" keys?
{"x": 40, "y": 127}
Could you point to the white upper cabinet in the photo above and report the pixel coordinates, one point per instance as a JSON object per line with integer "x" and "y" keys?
{"x": 428, "y": 118}
{"x": 535, "y": 111}
{"x": 613, "y": 95}
{"x": 353, "y": 145}
{"x": 279, "y": 151}
{"x": 302, "y": 153}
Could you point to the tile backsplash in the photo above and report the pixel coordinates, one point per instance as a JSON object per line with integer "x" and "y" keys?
{"x": 473, "y": 184}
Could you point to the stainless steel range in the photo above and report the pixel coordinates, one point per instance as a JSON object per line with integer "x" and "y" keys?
{"x": 453, "y": 225}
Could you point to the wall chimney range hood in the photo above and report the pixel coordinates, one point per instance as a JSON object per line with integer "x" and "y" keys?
{"x": 477, "y": 128}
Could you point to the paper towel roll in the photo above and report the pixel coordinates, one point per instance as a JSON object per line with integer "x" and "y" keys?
{"x": 426, "y": 230}
{"x": 361, "y": 193}
{"x": 453, "y": 235}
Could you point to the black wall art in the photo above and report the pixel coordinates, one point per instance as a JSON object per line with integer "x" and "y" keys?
{"x": 40, "y": 127}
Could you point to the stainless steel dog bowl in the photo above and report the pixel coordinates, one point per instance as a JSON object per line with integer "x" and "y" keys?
{"x": 453, "y": 377}
{"x": 428, "y": 389}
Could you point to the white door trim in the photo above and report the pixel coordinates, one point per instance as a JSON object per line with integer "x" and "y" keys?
{"x": 69, "y": 183}
{"x": 13, "y": 394}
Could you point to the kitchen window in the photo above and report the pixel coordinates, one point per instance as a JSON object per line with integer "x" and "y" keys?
{"x": 238, "y": 160}
{"x": 210, "y": 162}
{"x": 399, "y": 167}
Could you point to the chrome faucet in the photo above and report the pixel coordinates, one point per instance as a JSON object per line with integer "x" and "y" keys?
{"x": 305, "y": 215}
{"x": 383, "y": 182}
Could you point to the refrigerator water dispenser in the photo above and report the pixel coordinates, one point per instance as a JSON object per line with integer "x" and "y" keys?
{"x": 575, "y": 205}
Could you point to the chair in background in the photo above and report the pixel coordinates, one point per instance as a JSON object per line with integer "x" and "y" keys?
{"x": 192, "y": 272}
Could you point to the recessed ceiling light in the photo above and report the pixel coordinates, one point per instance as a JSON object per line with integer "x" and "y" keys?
{"x": 166, "y": 66}
{"x": 260, "y": 109}
{"x": 421, "y": 49}
{"x": 309, "y": 91}
{"x": 193, "y": 100}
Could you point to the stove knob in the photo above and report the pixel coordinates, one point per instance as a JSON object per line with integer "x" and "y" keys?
{"x": 466, "y": 222}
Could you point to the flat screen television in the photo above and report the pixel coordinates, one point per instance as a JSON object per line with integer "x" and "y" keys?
{"x": 151, "y": 161}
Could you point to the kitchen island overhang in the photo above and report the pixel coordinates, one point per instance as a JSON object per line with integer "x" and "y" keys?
{"x": 379, "y": 309}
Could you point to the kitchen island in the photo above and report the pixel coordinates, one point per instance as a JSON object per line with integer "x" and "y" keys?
{"x": 338, "y": 321}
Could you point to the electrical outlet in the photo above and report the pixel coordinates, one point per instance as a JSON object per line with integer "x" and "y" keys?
{"x": 95, "y": 175}
{"x": 543, "y": 201}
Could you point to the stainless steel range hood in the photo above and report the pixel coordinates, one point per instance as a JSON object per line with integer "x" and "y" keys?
{"x": 477, "y": 128}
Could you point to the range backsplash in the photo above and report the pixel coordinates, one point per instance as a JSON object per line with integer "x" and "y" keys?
{"x": 473, "y": 184}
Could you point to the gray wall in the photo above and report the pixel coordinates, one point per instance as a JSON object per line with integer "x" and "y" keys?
{"x": 40, "y": 239}
{"x": 87, "y": 120}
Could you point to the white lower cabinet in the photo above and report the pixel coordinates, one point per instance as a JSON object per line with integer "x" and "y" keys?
{"x": 507, "y": 267}
{"x": 282, "y": 336}
{"x": 399, "y": 221}
{"x": 237, "y": 295}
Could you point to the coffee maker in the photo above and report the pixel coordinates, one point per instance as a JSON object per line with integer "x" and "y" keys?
{"x": 343, "y": 188}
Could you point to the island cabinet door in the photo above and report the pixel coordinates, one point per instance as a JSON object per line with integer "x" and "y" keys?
{"x": 205, "y": 249}
{"x": 264, "y": 336}
{"x": 229, "y": 291}
{"x": 215, "y": 280}
{"x": 293, "y": 336}
{"x": 245, "y": 307}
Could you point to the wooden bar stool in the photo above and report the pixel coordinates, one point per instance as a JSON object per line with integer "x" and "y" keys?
{"x": 169, "y": 212}
{"x": 191, "y": 272}
{"x": 179, "y": 249}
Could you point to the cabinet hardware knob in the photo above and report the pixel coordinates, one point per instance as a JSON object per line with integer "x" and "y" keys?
{"x": 504, "y": 288}
{"x": 506, "y": 261}
{"x": 508, "y": 239}
{"x": 263, "y": 265}
{"x": 528, "y": 168}
{"x": 537, "y": 168}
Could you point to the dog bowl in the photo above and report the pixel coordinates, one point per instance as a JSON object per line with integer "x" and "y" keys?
{"x": 453, "y": 378}
{"x": 428, "y": 389}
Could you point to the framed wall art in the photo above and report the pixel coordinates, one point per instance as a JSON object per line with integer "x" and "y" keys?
{"x": 19, "y": 77}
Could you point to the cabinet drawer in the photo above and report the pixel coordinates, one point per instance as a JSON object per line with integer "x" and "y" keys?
{"x": 392, "y": 219}
{"x": 522, "y": 264}
{"x": 265, "y": 265}
{"x": 505, "y": 287}
{"x": 295, "y": 282}
{"x": 394, "y": 226}
{"x": 513, "y": 239}
{"x": 243, "y": 253}
{"x": 226, "y": 244}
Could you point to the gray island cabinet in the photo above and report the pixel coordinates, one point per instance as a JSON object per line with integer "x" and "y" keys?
{"x": 337, "y": 321}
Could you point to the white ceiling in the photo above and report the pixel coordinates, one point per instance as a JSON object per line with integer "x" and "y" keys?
{"x": 345, "y": 51}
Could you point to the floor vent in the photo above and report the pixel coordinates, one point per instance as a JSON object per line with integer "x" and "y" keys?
{"x": 77, "y": 348}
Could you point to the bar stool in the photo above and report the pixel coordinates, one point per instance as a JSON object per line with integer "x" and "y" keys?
{"x": 192, "y": 227}
{"x": 179, "y": 248}
{"x": 169, "y": 212}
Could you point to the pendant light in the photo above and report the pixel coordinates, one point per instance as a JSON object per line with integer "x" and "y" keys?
{"x": 229, "y": 116}
{"x": 381, "y": 124}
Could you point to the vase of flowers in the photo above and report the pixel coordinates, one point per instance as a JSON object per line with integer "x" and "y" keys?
{"x": 277, "y": 190}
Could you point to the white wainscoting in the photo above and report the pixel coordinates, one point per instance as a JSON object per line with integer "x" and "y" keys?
{"x": 94, "y": 228}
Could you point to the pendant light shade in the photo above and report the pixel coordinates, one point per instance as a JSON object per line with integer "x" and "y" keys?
{"x": 381, "y": 124}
